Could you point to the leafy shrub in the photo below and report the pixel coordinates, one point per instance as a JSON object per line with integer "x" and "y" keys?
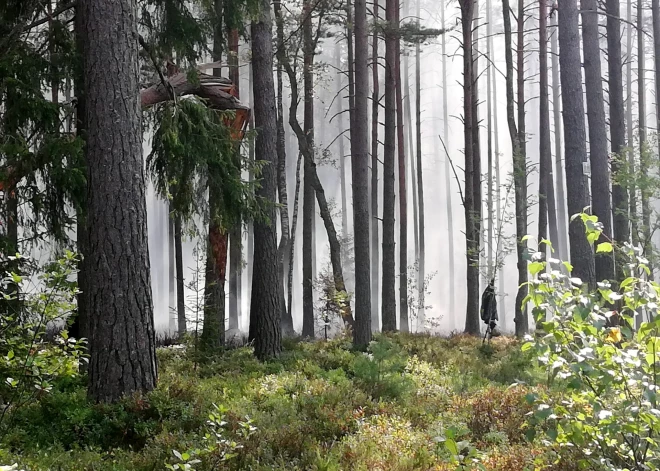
{"x": 607, "y": 370}
{"x": 30, "y": 362}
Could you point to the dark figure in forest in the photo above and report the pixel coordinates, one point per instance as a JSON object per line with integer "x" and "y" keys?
{"x": 489, "y": 310}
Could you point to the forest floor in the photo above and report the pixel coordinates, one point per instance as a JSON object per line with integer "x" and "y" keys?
{"x": 413, "y": 403}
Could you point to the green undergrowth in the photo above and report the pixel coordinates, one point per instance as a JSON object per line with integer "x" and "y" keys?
{"x": 411, "y": 402}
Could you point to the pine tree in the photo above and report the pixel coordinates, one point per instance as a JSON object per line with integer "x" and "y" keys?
{"x": 265, "y": 311}
{"x": 121, "y": 329}
{"x": 598, "y": 151}
{"x": 360, "y": 169}
{"x": 575, "y": 152}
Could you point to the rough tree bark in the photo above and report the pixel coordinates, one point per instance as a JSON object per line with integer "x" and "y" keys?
{"x": 121, "y": 327}
{"x": 388, "y": 292}
{"x": 265, "y": 328}
{"x": 519, "y": 169}
{"x": 375, "y": 239}
{"x": 285, "y": 260}
{"x": 404, "y": 324}
{"x": 575, "y": 152}
{"x": 309, "y": 204}
{"x": 617, "y": 128}
{"x": 598, "y": 150}
{"x": 360, "y": 174}
{"x": 472, "y": 323}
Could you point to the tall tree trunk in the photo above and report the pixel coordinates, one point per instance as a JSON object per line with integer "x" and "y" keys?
{"x": 171, "y": 271}
{"x": 342, "y": 150}
{"x": 294, "y": 226}
{"x": 655, "y": 13}
{"x": 250, "y": 226}
{"x": 476, "y": 144}
{"x": 410, "y": 147}
{"x": 489, "y": 141}
{"x": 562, "y": 219}
{"x": 213, "y": 330}
{"x": 643, "y": 144}
{"x": 582, "y": 256}
{"x": 420, "y": 179}
{"x": 307, "y": 152}
{"x": 265, "y": 328}
{"x": 404, "y": 325}
{"x": 448, "y": 178}
{"x": 521, "y": 318}
{"x": 375, "y": 239}
{"x": 182, "y": 327}
{"x": 630, "y": 126}
{"x": 546, "y": 174}
{"x": 309, "y": 204}
{"x": 285, "y": 260}
{"x": 617, "y": 128}
{"x": 471, "y": 222}
{"x": 388, "y": 300}
{"x": 519, "y": 170}
{"x": 235, "y": 233}
{"x": 360, "y": 174}
{"x": 598, "y": 151}
{"x": 122, "y": 343}
{"x": 498, "y": 191}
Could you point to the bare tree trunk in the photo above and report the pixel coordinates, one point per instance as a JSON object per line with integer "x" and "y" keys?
{"x": 655, "y": 12}
{"x": 122, "y": 343}
{"x": 421, "y": 254}
{"x": 388, "y": 301}
{"x": 375, "y": 239}
{"x": 643, "y": 144}
{"x": 409, "y": 146}
{"x": 294, "y": 225}
{"x": 265, "y": 328}
{"x": 498, "y": 191}
{"x": 582, "y": 256}
{"x": 476, "y": 144}
{"x": 342, "y": 152}
{"x": 562, "y": 219}
{"x": 471, "y": 216}
{"x": 519, "y": 169}
{"x": 182, "y": 327}
{"x": 307, "y": 152}
{"x": 546, "y": 170}
{"x": 598, "y": 151}
{"x": 489, "y": 140}
{"x": 404, "y": 324}
{"x": 171, "y": 272}
{"x": 250, "y": 226}
{"x": 235, "y": 233}
{"x": 284, "y": 252}
{"x": 617, "y": 128}
{"x": 630, "y": 126}
{"x": 360, "y": 174}
{"x": 309, "y": 204}
{"x": 448, "y": 178}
